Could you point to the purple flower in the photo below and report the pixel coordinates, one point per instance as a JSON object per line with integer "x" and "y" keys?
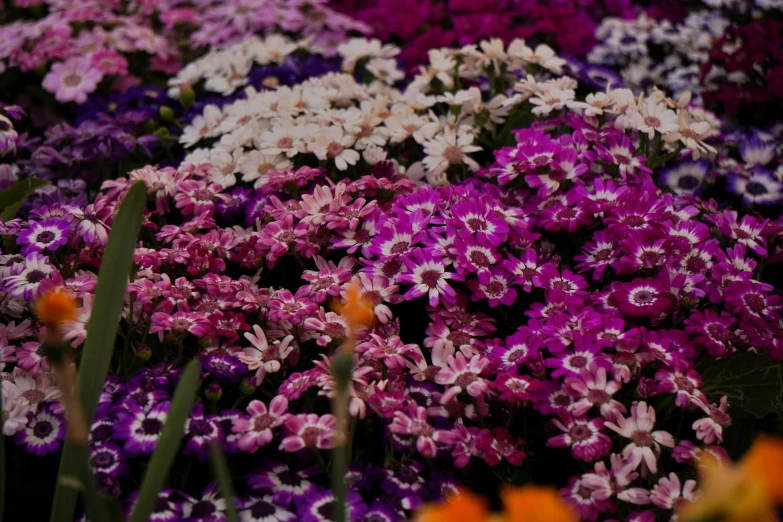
{"x": 49, "y": 234}
{"x": 43, "y": 433}
{"x": 107, "y": 458}
{"x": 583, "y": 436}
{"x": 319, "y": 507}
{"x": 263, "y": 509}
{"x": 201, "y": 431}
{"x": 428, "y": 276}
{"x": 140, "y": 429}
{"x": 287, "y": 486}
{"x": 256, "y": 429}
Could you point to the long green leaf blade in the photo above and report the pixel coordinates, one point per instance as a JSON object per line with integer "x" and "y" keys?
{"x": 13, "y": 197}
{"x": 220, "y": 468}
{"x": 101, "y": 334}
{"x": 170, "y": 438}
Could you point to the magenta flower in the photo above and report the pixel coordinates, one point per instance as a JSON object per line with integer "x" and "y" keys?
{"x": 644, "y": 441}
{"x": 710, "y": 428}
{"x": 256, "y": 429}
{"x": 73, "y": 80}
{"x": 308, "y": 430}
{"x": 415, "y": 424}
{"x": 592, "y": 388}
{"x": 285, "y": 307}
{"x": 494, "y": 286}
{"x": 428, "y": 276}
{"x": 463, "y": 375}
{"x": 583, "y": 436}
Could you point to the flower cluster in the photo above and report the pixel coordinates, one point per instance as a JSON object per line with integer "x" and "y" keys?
{"x": 554, "y": 255}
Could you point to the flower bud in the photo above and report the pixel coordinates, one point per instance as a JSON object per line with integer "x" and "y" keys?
{"x": 187, "y": 96}
{"x": 144, "y": 353}
{"x": 166, "y": 113}
{"x": 214, "y": 392}
{"x": 247, "y": 387}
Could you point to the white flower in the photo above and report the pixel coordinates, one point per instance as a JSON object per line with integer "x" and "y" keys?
{"x": 449, "y": 148}
{"x": 374, "y": 154}
{"x": 231, "y": 76}
{"x": 332, "y": 143}
{"x": 275, "y": 48}
{"x": 691, "y": 133}
{"x": 551, "y": 98}
{"x": 256, "y": 164}
{"x": 385, "y": 69}
{"x": 282, "y": 139}
{"x": 544, "y": 56}
{"x": 225, "y": 165}
{"x": 651, "y": 116}
{"x": 492, "y": 53}
{"x": 357, "y": 48}
{"x": 202, "y": 126}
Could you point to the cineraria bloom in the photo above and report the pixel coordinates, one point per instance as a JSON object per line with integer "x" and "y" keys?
{"x": 73, "y": 80}
{"x": 449, "y": 149}
{"x": 586, "y": 354}
{"x": 583, "y": 436}
{"x": 319, "y": 507}
{"x": 643, "y": 298}
{"x": 748, "y": 231}
{"x": 263, "y": 509}
{"x": 286, "y": 486}
{"x": 585, "y": 499}
{"x": 592, "y": 388}
{"x": 759, "y": 188}
{"x": 140, "y": 429}
{"x": 262, "y": 356}
{"x": 713, "y": 331}
{"x": 202, "y": 430}
{"x": 494, "y": 286}
{"x": 428, "y": 275}
{"x": 25, "y": 281}
{"x": 669, "y": 493}
{"x": 415, "y": 423}
{"x": 645, "y": 442}
{"x": 752, "y": 300}
{"x": 179, "y": 323}
{"x": 327, "y": 281}
{"x": 710, "y": 428}
{"x": 684, "y": 382}
{"x": 308, "y": 430}
{"x": 620, "y": 151}
{"x": 391, "y": 351}
{"x": 49, "y": 234}
{"x": 210, "y": 507}
{"x": 686, "y": 177}
{"x": 462, "y": 375}
{"x": 256, "y": 429}
{"x": 43, "y": 433}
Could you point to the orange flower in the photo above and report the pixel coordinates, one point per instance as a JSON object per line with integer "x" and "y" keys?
{"x": 55, "y": 307}
{"x": 357, "y": 309}
{"x": 747, "y": 492}
{"x": 461, "y": 507}
{"x": 536, "y": 504}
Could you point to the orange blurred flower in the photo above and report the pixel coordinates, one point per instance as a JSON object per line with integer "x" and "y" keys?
{"x": 357, "y": 309}
{"x": 747, "y": 492}
{"x": 55, "y": 307}
{"x": 461, "y": 507}
{"x": 536, "y": 504}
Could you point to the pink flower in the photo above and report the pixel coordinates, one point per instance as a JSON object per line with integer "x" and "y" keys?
{"x": 73, "y": 80}
{"x": 257, "y": 429}
{"x": 110, "y": 63}
{"x": 645, "y": 442}
{"x": 669, "y": 492}
{"x": 462, "y": 375}
{"x": 415, "y": 423}
{"x": 583, "y": 436}
{"x": 711, "y": 427}
{"x": 262, "y": 356}
{"x": 308, "y": 430}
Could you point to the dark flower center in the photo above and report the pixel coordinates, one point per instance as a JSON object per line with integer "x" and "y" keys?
{"x": 326, "y": 510}
{"x": 465, "y": 379}
{"x": 400, "y": 247}
{"x": 721, "y": 418}
{"x": 310, "y": 436}
{"x": 35, "y": 276}
{"x": 579, "y": 433}
{"x": 684, "y": 384}
{"x": 201, "y": 427}
{"x": 289, "y": 478}
{"x": 430, "y": 278}
{"x": 754, "y": 302}
{"x": 334, "y": 330}
{"x": 203, "y": 508}
{"x": 578, "y": 361}
{"x": 754, "y": 188}
{"x": 391, "y": 268}
{"x": 479, "y": 258}
{"x": 262, "y": 422}
{"x": 43, "y": 429}
{"x": 598, "y": 397}
{"x": 458, "y": 338}
{"x": 102, "y": 460}
{"x": 642, "y": 438}
{"x": 688, "y": 182}
{"x": 151, "y": 426}
{"x": 261, "y": 510}
{"x": 643, "y": 297}
{"x": 476, "y": 224}
{"x": 718, "y": 332}
{"x": 45, "y": 237}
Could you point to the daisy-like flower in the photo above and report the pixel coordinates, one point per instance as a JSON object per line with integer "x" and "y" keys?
{"x": 493, "y": 286}
{"x": 428, "y": 275}
{"x": 415, "y": 423}
{"x": 287, "y": 486}
{"x": 15, "y": 410}
{"x": 107, "y": 458}
{"x": 654, "y": 116}
{"x": 685, "y": 177}
{"x": 333, "y": 143}
{"x": 256, "y": 429}
{"x": 712, "y": 331}
{"x": 319, "y": 507}
{"x": 43, "y": 433}
{"x": 669, "y": 493}
{"x": 643, "y": 298}
{"x": 210, "y": 507}
{"x": 710, "y": 428}
{"x": 463, "y": 375}
{"x": 583, "y": 436}
{"x": 543, "y": 55}
{"x": 449, "y": 149}
{"x": 140, "y": 429}
{"x": 760, "y": 188}
{"x": 26, "y": 279}
{"x": 684, "y": 382}
{"x": 285, "y": 139}
{"x": 263, "y": 509}
{"x": 592, "y": 388}
{"x": 49, "y": 234}
{"x": 620, "y": 151}
{"x": 308, "y": 430}
{"x": 262, "y": 356}
{"x": 202, "y": 429}
{"x": 644, "y": 441}
{"x": 73, "y": 80}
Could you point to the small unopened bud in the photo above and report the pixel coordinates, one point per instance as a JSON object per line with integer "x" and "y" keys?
{"x": 166, "y": 113}
{"x": 247, "y": 387}
{"x": 144, "y": 352}
{"x": 214, "y": 392}
{"x": 187, "y": 96}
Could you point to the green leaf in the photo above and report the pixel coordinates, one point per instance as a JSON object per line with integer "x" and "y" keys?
{"x": 752, "y": 382}
{"x": 101, "y": 333}
{"x": 170, "y": 438}
{"x": 220, "y": 469}
{"x": 13, "y": 197}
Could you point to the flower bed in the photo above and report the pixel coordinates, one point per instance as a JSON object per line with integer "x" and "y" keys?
{"x": 539, "y": 266}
